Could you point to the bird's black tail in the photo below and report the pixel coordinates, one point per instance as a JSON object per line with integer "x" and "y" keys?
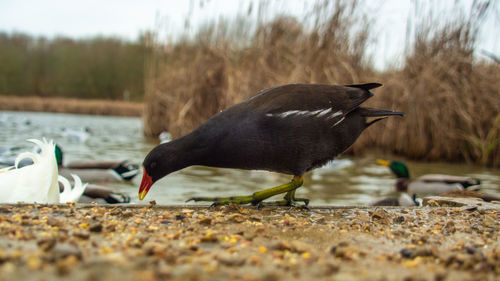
{"x": 373, "y": 112}
{"x": 367, "y": 86}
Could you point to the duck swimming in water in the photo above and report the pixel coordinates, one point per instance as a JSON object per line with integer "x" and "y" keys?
{"x": 431, "y": 184}
{"x": 26, "y": 184}
{"x": 97, "y": 171}
{"x": 36, "y": 183}
{"x": 404, "y": 199}
{"x": 288, "y": 129}
{"x": 69, "y": 193}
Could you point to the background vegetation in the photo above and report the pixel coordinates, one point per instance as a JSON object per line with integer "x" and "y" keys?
{"x": 451, "y": 100}
{"x": 71, "y": 105}
{"x": 104, "y": 68}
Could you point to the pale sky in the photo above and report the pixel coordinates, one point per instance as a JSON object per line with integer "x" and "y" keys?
{"x": 126, "y": 18}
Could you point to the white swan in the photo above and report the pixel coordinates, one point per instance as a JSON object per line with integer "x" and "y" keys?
{"x": 71, "y": 194}
{"x": 33, "y": 183}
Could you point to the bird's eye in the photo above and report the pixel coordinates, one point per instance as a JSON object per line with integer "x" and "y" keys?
{"x": 153, "y": 165}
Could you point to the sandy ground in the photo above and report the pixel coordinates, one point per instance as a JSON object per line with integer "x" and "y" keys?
{"x": 90, "y": 242}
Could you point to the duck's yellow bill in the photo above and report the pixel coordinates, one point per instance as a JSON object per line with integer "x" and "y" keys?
{"x": 383, "y": 162}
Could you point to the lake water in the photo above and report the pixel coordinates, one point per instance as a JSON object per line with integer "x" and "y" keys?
{"x": 357, "y": 181}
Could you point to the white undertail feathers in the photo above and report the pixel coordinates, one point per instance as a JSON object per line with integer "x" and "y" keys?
{"x": 37, "y": 182}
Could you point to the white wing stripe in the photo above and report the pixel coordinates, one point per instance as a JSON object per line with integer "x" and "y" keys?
{"x": 317, "y": 113}
{"x": 336, "y": 123}
{"x": 320, "y": 113}
{"x": 335, "y": 114}
{"x": 324, "y": 112}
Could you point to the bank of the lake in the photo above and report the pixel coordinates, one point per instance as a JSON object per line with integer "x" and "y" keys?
{"x": 85, "y": 242}
{"x": 67, "y": 105}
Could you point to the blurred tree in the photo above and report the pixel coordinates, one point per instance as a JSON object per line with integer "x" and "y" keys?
{"x": 99, "y": 67}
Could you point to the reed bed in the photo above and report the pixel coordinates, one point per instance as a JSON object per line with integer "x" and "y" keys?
{"x": 191, "y": 80}
{"x": 67, "y": 105}
{"x": 451, "y": 101}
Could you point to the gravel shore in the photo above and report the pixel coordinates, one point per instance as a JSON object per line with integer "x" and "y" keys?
{"x": 94, "y": 242}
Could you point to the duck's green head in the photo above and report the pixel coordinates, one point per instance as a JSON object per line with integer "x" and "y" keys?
{"x": 59, "y": 155}
{"x": 397, "y": 167}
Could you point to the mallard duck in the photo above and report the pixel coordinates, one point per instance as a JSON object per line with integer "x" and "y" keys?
{"x": 97, "y": 170}
{"x": 69, "y": 193}
{"x": 403, "y": 200}
{"x": 471, "y": 194}
{"x": 38, "y": 181}
{"x": 34, "y": 183}
{"x": 88, "y": 170}
{"x": 288, "y": 129}
{"x": 103, "y": 195}
{"x": 101, "y": 170}
{"x": 431, "y": 184}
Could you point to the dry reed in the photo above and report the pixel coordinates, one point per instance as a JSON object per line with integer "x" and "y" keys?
{"x": 191, "y": 80}
{"x": 65, "y": 105}
{"x": 451, "y": 101}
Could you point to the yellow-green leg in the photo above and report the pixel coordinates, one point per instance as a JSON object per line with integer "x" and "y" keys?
{"x": 259, "y": 196}
{"x": 288, "y": 200}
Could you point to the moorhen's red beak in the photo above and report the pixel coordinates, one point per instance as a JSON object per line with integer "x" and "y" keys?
{"x": 146, "y": 184}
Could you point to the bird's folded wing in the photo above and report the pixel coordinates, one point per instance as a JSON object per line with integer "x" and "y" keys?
{"x": 326, "y": 101}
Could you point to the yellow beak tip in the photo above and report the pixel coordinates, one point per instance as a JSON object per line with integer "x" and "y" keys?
{"x": 142, "y": 195}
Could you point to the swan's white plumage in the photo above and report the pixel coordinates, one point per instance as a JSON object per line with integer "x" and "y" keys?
{"x": 33, "y": 183}
{"x": 71, "y": 194}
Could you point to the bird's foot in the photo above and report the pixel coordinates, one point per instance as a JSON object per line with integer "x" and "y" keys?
{"x": 216, "y": 201}
{"x": 259, "y": 196}
{"x": 286, "y": 202}
{"x": 305, "y": 200}
{"x": 305, "y": 206}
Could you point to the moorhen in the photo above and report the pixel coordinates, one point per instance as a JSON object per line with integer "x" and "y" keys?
{"x": 288, "y": 129}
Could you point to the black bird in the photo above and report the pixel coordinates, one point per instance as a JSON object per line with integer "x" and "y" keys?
{"x": 289, "y": 129}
